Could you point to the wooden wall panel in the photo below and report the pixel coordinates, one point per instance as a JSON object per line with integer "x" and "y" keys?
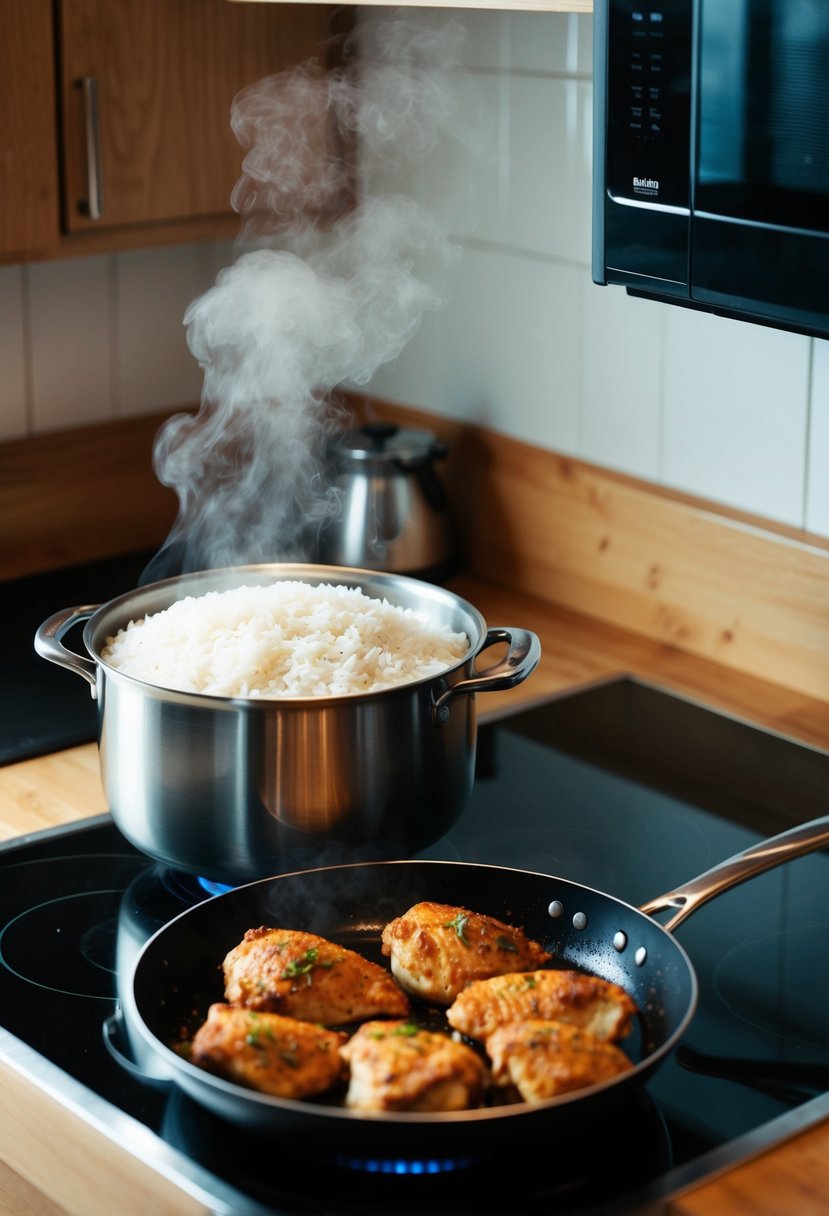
{"x": 736, "y": 591}
{"x": 732, "y": 589}
{"x": 73, "y": 496}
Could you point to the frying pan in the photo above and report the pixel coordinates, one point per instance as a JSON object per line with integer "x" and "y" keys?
{"x": 178, "y": 974}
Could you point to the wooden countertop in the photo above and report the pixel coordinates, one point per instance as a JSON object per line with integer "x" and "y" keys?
{"x": 576, "y": 652}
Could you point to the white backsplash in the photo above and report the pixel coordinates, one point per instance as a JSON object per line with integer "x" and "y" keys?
{"x": 526, "y": 345}
{"x": 90, "y": 339}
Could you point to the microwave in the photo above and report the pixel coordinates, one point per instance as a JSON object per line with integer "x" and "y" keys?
{"x": 711, "y": 156}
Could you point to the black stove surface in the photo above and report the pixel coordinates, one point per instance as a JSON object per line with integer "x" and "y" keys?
{"x": 43, "y": 708}
{"x": 622, "y": 788}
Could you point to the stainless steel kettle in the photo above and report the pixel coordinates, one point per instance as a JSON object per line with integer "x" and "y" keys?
{"x": 394, "y": 514}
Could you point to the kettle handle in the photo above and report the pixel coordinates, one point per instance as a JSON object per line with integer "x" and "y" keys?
{"x": 522, "y": 658}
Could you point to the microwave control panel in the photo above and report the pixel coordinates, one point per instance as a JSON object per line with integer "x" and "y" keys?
{"x": 648, "y": 101}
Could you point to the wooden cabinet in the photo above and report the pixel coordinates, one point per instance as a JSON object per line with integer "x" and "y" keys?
{"x": 118, "y": 130}
{"x": 29, "y": 209}
{"x": 165, "y": 73}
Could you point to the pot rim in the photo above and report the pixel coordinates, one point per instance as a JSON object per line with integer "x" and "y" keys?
{"x": 228, "y": 577}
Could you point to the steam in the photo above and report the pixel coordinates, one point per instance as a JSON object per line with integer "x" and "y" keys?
{"x": 324, "y": 290}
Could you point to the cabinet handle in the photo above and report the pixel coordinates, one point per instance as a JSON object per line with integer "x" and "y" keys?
{"x": 94, "y": 205}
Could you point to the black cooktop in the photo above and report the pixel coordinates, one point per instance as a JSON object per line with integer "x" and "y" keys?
{"x": 44, "y": 708}
{"x": 622, "y": 788}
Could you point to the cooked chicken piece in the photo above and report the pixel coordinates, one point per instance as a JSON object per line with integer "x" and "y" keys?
{"x": 264, "y": 1051}
{"x": 582, "y": 1000}
{"x": 396, "y": 1066}
{"x": 437, "y": 949}
{"x": 304, "y": 976}
{"x": 542, "y": 1059}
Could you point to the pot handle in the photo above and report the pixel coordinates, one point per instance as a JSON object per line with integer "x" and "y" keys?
{"x": 49, "y": 646}
{"x": 765, "y": 855}
{"x": 520, "y": 661}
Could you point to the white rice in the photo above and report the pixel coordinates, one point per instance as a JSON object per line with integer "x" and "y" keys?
{"x": 286, "y": 639}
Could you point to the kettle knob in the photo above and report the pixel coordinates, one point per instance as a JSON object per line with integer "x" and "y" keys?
{"x": 378, "y": 432}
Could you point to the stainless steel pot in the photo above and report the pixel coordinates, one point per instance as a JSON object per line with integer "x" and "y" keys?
{"x": 235, "y": 789}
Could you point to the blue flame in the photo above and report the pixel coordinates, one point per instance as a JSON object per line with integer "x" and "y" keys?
{"x": 403, "y": 1166}
{"x": 214, "y": 888}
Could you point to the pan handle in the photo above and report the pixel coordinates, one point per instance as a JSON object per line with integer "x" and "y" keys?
{"x": 805, "y": 838}
{"x": 48, "y": 643}
{"x": 522, "y": 658}
{"x": 114, "y": 1033}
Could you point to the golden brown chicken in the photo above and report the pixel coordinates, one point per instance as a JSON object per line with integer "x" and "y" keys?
{"x": 437, "y": 949}
{"x": 277, "y": 1055}
{"x": 395, "y": 1066}
{"x": 541, "y": 1059}
{"x": 305, "y": 976}
{"x": 586, "y": 1001}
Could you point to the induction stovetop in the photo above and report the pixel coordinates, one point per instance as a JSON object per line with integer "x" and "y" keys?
{"x": 623, "y": 788}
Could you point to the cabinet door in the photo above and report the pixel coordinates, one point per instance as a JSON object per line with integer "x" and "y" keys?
{"x": 28, "y": 137}
{"x": 164, "y": 74}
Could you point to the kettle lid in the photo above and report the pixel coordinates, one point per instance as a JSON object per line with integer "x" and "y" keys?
{"x": 379, "y": 441}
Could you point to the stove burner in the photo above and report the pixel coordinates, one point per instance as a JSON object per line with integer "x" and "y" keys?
{"x": 279, "y": 1171}
{"x": 65, "y": 945}
{"x": 761, "y": 982}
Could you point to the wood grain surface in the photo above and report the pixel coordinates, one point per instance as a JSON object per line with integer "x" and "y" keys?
{"x": 29, "y": 208}
{"x": 80, "y": 1169}
{"x": 166, "y": 78}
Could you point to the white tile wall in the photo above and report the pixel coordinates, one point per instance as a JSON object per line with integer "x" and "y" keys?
{"x": 526, "y": 344}
{"x": 621, "y": 381}
{"x": 735, "y": 412}
{"x": 71, "y": 343}
{"x": 155, "y": 368}
{"x": 89, "y": 339}
{"x": 515, "y": 373}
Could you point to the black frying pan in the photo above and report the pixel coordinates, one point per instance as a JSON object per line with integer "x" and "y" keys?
{"x": 177, "y": 975}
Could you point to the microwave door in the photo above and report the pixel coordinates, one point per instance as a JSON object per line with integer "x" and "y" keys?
{"x": 759, "y": 235}
{"x": 711, "y": 155}
{"x": 642, "y": 144}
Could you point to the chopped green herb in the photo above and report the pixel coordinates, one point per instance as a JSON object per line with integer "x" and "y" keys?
{"x": 506, "y": 943}
{"x": 459, "y": 924}
{"x": 257, "y": 1030}
{"x": 302, "y": 965}
{"x": 406, "y": 1030}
